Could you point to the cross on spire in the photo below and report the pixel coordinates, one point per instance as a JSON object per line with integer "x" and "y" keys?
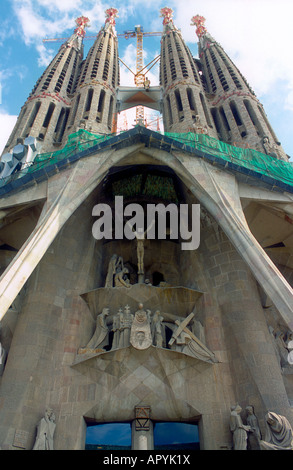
{"x": 111, "y": 14}
{"x": 199, "y": 22}
{"x": 167, "y": 13}
{"x": 82, "y": 22}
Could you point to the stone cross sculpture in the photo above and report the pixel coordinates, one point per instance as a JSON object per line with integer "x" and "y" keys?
{"x": 186, "y": 342}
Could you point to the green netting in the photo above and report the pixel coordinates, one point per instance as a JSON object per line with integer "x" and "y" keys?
{"x": 77, "y": 142}
{"x": 248, "y": 158}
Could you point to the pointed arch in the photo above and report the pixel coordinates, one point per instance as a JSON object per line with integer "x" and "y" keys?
{"x": 217, "y": 191}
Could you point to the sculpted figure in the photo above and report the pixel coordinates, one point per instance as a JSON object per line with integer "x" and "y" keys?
{"x": 289, "y": 346}
{"x": 101, "y": 331}
{"x": 268, "y": 147}
{"x": 116, "y": 329}
{"x": 140, "y": 236}
{"x": 183, "y": 340}
{"x": 279, "y": 435}
{"x": 238, "y": 429}
{"x": 140, "y": 337}
{"x": 45, "y": 432}
{"x": 121, "y": 279}
{"x": 3, "y": 356}
{"x": 280, "y": 346}
{"x": 254, "y": 435}
{"x": 157, "y": 329}
{"x": 115, "y": 266}
{"x": 125, "y": 319}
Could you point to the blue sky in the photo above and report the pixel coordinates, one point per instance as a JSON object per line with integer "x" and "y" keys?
{"x": 256, "y": 34}
{"x": 120, "y": 434}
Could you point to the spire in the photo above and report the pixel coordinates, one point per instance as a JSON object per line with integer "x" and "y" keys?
{"x": 76, "y": 39}
{"x": 94, "y": 101}
{"x": 79, "y": 33}
{"x": 167, "y": 14}
{"x": 110, "y": 23}
{"x": 45, "y": 113}
{"x": 199, "y": 22}
{"x": 184, "y": 101}
{"x": 205, "y": 39}
{"x": 81, "y": 23}
{"x": 238, "y": 116}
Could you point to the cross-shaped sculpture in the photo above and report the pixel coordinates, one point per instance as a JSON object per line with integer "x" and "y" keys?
{"x": 182, "y": 327}
{"x": 81, "y": 22}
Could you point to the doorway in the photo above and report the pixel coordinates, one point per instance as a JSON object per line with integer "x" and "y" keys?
{"x": 108, "y": 436}
{"x": 176, "y": 436}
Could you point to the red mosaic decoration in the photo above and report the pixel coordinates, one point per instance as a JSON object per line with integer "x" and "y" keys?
{"x": 167, "y": 13}
{"x": 199, "y": 22}
{"x": 111, "y": 14}
{"x": 81, "y": 22}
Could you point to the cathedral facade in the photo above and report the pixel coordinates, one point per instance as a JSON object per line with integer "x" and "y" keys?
{"x": 130, "y": 327}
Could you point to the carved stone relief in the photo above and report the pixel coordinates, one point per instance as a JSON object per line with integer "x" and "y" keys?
{"x": 238, "y": 429}
{"x": 143, "y": 329}
{"x": 278, "y": 435}
{"x": 284, "y": 348}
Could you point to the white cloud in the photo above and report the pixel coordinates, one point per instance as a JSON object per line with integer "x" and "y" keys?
{"x": 7, "y": 123}
{"x": 45, "y": 55}
{"x": 63, "y": 6}
{"x": 256, "y": 34}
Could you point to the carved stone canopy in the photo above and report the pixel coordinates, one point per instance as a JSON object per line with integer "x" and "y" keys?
{"x": 178, "y": 301}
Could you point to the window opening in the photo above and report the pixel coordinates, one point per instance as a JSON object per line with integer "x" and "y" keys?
{"x": 108, "y": 436}
{"x": 157, "y": 278}
{"x": 176, "y": 436}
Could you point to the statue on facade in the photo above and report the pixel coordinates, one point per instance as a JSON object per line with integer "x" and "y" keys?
{"x": 270, "y": 149}
{"x": 238, "y": 429}
{"x": 279, "y": 434}
{"x": 121, "y": 279}
{"x": 290, "y": 350}
{"x": 140, "y": 236}
{"x": 115, "y": 266}
{"x": 254, "y": 435}
{"x": 283, "y": 347}
{"x": 141, "y": 337}
{"x": 116, "y": 329}
{"x": 45, "y": 432}
{"x": 100, "y": 337}
{"x": 183, "y": 340}
{"x": 144, "y": 329}
{"x": 125, "y": 322}
{"x": 198, "y": 127}
{"x": 158, "y": 330}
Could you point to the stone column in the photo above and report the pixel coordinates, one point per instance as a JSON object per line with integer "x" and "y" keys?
{"x": 142, "y": 439}
{"x": 142, "y": 429}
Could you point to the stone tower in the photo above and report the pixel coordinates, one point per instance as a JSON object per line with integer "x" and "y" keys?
{"x": 184, "y": 100}
{"x": 94, "y": 103}
{"x": 104, "y": 325}
{"x": 238, "y": 115}
{"x": 44, "y": 116}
